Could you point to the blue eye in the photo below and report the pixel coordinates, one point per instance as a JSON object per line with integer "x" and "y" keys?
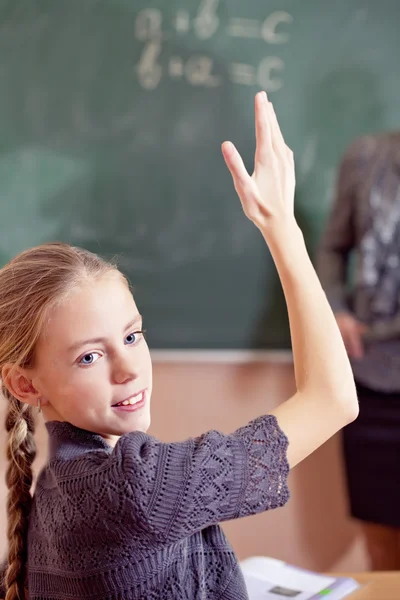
{"x": 88, "y": 359}
{"x": 132, "y": 338}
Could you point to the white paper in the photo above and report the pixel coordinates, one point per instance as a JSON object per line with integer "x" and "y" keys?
{"x": 261, "y": 589}
{"x": 279, "y": 573}
{"x": 271, "y": 579}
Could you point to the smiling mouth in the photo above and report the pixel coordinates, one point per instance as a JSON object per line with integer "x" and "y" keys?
{"x": 131, "y": 401}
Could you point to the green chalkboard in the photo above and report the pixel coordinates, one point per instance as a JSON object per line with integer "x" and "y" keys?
{"x": 111, "y": 118}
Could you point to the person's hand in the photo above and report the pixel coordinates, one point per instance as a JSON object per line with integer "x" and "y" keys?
{"x": 267, "y": 196}
{"x": 352, "y": 332}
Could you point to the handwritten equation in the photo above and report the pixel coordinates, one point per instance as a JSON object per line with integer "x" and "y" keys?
{"x": 200, "y": 69}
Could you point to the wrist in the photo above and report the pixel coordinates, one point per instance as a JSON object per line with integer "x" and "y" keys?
{"x": 289, "y": 253}
{"x": 282, "y": 234}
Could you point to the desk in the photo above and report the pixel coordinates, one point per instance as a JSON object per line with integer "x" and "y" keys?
{"x": 381, "y": 585}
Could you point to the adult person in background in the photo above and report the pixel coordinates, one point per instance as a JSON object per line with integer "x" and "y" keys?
{"x": 365, "y": 218}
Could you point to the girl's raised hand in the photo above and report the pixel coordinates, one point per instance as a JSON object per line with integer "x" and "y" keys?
{"x": 267, "y": 196}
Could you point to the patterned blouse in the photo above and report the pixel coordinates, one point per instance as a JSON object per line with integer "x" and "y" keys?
{"x": 365, "y": 222}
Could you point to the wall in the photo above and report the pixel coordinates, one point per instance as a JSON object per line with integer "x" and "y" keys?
{"x": 312, "y": 530}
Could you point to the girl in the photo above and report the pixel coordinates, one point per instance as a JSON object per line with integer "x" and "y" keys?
{"x": 117, "y": 514}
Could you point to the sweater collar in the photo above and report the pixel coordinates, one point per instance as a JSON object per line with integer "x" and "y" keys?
{"x": 67, "y": 441}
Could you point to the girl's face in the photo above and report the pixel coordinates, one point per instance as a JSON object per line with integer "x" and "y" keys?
{"x": 92, "y": 356}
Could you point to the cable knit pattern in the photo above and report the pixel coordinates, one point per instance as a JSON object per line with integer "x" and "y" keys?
{"x": 140, "y": 521}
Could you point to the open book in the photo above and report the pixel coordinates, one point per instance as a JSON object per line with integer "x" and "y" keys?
{"x": 271, "y": 579}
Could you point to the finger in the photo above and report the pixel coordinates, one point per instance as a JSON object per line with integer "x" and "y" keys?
{"x": 278, "y": 142}
{"x": 348, "y": 342}
{"x": 362, "y": 328}
{"x": 234, "y": 162}
{"x": 263, "y": 129}
{"x": 356, "y": 347}
{"x": 243, "y": 183}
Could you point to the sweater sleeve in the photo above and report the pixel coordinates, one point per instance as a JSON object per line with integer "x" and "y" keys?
{"x": 338, "y": 238}
{"x": 181, "y": 488}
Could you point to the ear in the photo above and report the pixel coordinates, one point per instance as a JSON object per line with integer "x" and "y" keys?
{"x": 19, "y": 384}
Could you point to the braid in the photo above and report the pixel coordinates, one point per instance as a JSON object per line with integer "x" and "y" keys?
{"x": 31, "y": 285}
{"x": 21, "y": 452}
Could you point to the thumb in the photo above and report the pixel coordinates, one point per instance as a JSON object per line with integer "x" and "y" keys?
{"x": 356, "y": 348}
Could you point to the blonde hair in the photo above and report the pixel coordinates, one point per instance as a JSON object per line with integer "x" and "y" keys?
{"x": 30, "y": 285}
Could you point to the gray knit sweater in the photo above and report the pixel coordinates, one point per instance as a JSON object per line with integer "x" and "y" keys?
{"x": 140, "y": 521}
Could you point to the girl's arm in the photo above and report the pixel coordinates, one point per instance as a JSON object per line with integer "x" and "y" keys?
{"x": 326, "y": 398}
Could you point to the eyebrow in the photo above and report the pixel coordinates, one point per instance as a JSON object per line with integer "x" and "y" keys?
{"x": 136, "y": 321}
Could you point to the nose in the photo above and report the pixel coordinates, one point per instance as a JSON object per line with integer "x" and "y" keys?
{"x": 124, "y": 367}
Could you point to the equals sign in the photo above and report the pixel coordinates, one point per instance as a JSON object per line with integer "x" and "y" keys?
{"x": 243, "y": 74}
{"x": 245, "y": 28}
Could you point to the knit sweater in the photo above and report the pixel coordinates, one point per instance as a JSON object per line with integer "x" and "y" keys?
{"x": 140, "y": 521}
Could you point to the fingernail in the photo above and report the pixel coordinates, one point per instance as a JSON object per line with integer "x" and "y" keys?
{"x": 227, "y": 146}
